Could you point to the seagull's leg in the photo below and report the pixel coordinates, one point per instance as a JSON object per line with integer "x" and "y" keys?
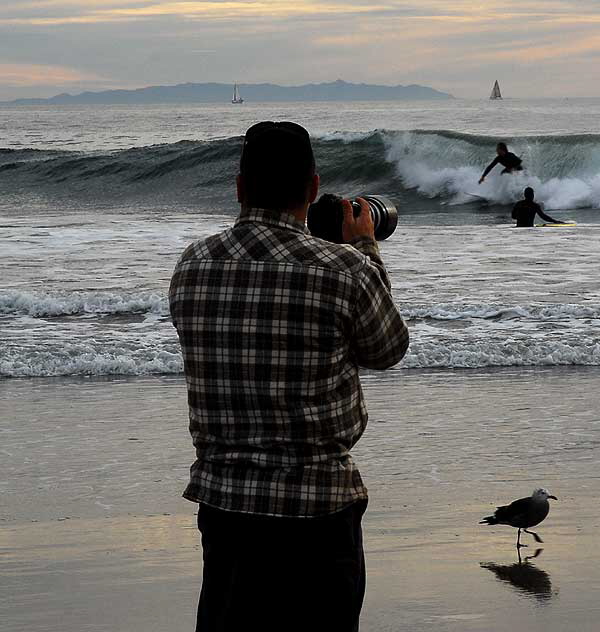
{"x": 519, "y": 545}
{"x": 536, "y": 537}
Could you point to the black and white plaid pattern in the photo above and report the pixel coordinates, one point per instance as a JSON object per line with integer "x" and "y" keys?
{"x": 273, "y": 324}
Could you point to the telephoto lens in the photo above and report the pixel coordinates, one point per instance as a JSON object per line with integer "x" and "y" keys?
{"x": 383, "y": 212}
{"x": 325, "y": 217}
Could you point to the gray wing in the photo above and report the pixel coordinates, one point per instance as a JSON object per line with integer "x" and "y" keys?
{"x": 514, "y": 513}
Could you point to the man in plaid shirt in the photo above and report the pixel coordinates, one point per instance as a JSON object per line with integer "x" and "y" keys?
{"x": 273, "y": 325}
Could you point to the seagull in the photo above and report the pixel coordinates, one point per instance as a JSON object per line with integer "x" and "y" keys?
{"x": 523, "y": 513}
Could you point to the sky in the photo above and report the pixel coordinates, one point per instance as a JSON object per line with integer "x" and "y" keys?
{"x": 548, "y": 48}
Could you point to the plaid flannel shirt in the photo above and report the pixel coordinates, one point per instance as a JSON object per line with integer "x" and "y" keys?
{"x": 273, "y": 325}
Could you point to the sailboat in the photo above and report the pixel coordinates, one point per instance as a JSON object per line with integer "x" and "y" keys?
{"x": 496, "y": 91}
{"x": 236, "y": 95}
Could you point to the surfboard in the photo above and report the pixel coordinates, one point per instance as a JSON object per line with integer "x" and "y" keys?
{"x": 478, "y": 197}
{"x": 563, "y": 225}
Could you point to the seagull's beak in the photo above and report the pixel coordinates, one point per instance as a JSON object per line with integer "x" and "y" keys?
{"x": 553, "y": 497}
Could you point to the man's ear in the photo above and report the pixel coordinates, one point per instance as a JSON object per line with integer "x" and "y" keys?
{"x": 239, "y": 183}
{"x": 313, "y": 190}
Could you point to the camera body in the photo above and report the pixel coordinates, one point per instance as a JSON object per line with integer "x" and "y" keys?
{"x": 325, "y": 217}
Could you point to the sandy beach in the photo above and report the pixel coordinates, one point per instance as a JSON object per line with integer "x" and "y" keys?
{"x": 95, "y": 536}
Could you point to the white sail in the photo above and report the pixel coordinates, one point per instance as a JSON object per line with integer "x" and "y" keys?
{"x": 236, "y": 95}
{"x": 496, "y": 91}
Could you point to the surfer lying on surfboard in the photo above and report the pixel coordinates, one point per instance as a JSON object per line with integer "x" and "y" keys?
{"x": 525, "y": 211}
{"x": 507, "y": 159}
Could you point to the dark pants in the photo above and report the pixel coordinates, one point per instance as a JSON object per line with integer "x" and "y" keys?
{"x": 281, "y": 574}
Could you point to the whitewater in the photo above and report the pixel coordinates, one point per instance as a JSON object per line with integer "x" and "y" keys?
{"x": 96, "y": 205}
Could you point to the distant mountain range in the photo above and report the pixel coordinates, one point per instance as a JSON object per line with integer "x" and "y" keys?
{"x": 251, "y": 92}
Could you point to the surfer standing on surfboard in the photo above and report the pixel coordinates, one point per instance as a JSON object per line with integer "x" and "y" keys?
{"x": 507, "y": 159}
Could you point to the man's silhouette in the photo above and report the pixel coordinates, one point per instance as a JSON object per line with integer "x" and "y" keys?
{"x": 525, "y": 211}
{"x": 507, "y": 159}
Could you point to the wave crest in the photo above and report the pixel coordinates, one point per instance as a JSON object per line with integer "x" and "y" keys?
{"x": 82, "y": 358}
{"x": 78, "y": 303}
{"x": 40, "y": 305}
{"x": 563, "y": 170}
{"x": 437, "y": 165}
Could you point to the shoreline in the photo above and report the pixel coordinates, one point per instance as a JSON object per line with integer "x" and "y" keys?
{"x": 399, "y": 372}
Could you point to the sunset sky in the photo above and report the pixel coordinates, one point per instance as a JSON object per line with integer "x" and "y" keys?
{"x": 546, "y": 48}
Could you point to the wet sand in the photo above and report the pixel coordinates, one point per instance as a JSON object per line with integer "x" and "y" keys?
{"x": 95, "y": 536}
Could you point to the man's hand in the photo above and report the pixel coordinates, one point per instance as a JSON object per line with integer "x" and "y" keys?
{"x": 482, "y": 179}
{"x": 355, "y": 227}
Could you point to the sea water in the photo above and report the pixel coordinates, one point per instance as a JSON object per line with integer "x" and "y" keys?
{"x": 97, "y": 202}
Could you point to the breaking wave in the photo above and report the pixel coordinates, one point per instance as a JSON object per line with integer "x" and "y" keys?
{"x": 108, "y": 333}
{"x": 44, "y": 305}
{"x": 78, "y": 303}
{"x": 85, "y": 359}
{"x": 415, "y": 166}
{"x": 93, "y": 358}
{"x": 582, "y": 352}
{"x": 563, "y": 170}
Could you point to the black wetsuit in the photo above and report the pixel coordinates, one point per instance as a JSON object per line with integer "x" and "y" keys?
{"x": 509, "y": 161}
{"x": 525, "y": 211}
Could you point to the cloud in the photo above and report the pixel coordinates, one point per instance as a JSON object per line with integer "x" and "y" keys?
{"x": 23, "y": 75}
{"x": 450, "y": 45}
{"x": 59, "y": 12}
{"x": 532, "y": 54}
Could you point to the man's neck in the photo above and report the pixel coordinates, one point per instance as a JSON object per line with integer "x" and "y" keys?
{"x": 299, "y": 213}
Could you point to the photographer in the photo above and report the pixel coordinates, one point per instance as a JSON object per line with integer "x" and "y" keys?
{"x": 273, "y": 325}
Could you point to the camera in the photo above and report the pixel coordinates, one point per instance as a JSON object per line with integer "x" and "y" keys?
{"x": 325, "y": 217}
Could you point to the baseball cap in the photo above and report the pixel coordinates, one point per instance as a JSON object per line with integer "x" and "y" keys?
{"x": 271, "y": 141}
{"x": 277, "y": 162}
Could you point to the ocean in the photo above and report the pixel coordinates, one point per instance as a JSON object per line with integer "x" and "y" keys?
{"x": 97, "y": 202}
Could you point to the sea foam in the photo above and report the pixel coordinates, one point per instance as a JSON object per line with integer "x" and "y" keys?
{"x": 48, "y": 305}
{"x": 86, "y": 359}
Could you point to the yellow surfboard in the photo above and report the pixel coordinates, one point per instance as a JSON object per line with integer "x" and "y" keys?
{"x": 563, "y": 225}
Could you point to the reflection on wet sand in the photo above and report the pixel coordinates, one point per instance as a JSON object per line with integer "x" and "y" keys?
{"x": 524, "y": 576}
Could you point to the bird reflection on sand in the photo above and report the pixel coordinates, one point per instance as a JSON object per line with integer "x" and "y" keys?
{"x": 524, "y": 576}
